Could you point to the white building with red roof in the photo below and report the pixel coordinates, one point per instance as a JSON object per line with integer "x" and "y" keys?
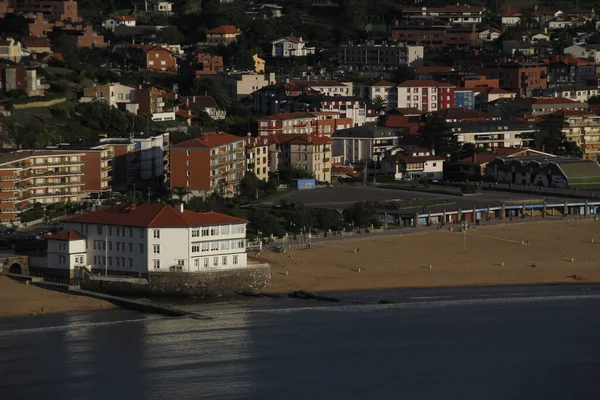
{"x": 133, "y": 240}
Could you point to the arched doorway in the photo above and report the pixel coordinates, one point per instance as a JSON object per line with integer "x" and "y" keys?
{"x": 15, "y": 269}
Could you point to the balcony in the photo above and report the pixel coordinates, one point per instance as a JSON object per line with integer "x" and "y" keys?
{"x": 22, "y": 186}
{"x": 326, "y": 159}
{"x": 107, "y": 168}
{"x": 55, "y": 194}
{"x": 50, "y": 173}
{"x": 9, "y": 178}
{"x": 50, "y": 164}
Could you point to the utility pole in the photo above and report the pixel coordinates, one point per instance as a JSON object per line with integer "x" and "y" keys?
{"x": 365, "y": 171}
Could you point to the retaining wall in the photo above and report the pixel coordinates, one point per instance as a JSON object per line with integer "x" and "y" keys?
{"x": 200, "y": 284}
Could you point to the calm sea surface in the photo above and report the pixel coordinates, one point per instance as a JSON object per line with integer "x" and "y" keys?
{"x": 459, "y": 344}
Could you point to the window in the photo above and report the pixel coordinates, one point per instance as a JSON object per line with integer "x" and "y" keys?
{"x": 156, "y": 248}
{"x": 156, "y": 233}
{"x": 206, "y": 261}
{"x": 118, "y": 264}
{"x": 215, "y": 261}
{"x": 141, "y": 233}
{"x": 235, "y": 260}
{"x": 131, "y": 263}
{"x": 156, "y": 264}
{"x": 195, "y": 247}
{"x": 224, "y": 260}
{"x": 189, "y": 163}
{"x": 130, "y": 247}
{"x": 141, "y": 248}
{"x": 214, "y": 246}
{"x": 110, "y": 246}
{"x": 204, "y": 231}
{"x": 225, "y": 245}
{"x": 225, "y": 229}
{"x": 110, "y": 231}
{"x": 205, "y": 246}
{"x": 99, "y": 227}
{"x": 109, "y": 260}
{"x": 196, "y": 262}
{"x": 95, "y": 259}
{"x": 214, "y": 231}
{"x": 238, "y": 229}
{"x": 188, "y": 153}
{"x": 196, "y": 233}
{"x": 188, "y": 173}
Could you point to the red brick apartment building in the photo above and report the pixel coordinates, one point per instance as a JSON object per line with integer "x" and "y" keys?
{"x": 53, "y": 10}
{"x": 520, "y": 78}
{"x": 199, "y": 65}
{"x": 434, "y": 36}
{"x": 303, "y": 122}
{"x": 215, "y": 162}
{"x": 154, "y": 57}
{"x": 89, "y": 38}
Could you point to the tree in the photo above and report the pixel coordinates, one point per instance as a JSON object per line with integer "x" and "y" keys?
{"x": 361, "y": 214}
{"x": 436, "y": 135}
{"x": 180, "y": 192}
{"x": 249, "y": 185}
{"x": 209, "y": 87}
{"x": 594, "y": 100}
{"x": 403, "y": 73}
{"x": 266, "y": 222}
{"x": 170, "y": 35}
{"x": 379, "y": 104}
{"x": 556, "y": 142}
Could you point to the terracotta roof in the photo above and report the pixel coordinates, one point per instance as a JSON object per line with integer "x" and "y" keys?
{"x": 345, "y": 170}
{"x": 125, "y": 18}
{"x": 36, "y": 43}
{"x": 146, "y": 48}
{"x": 406, "y": 111}
{"x": 383, "y": 83}
{"x": 543, "y": 100}
{"x": 68, "y": 235}
{"x": 294, "y": 39}
{"x": 286, "y": 116}
{"x": 208, "y": 141}
{"x": 424, "y": 83}
{"x": 433, "y": 69}
{"x": 302, "y": 139}
{"x": 153, "y": 216}
{"x": 224, "y": 29}
{"x": 510, "y": 10}
{"x": 571, "y": 113}
{"x": 199, "y": 102}
{"x": 569, "y": 60}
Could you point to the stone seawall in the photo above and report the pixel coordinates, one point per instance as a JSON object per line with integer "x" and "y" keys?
{"x": 200, "y": 284}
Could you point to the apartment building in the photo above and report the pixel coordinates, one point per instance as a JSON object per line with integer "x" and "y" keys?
{"x": 153, "y": 101}
{"x": 436, "y": 36}
{"x": 311, "y": 153}
{"x": 366, "y": 143}
{"x": 580, "y": 127}
{"x": 347, "y": 106}
{"x": 240, "y": 85}
{"x": 450, "y": 14}
{"x": 203, "y": 103}
{"x": 111, "y": 93}
{"x": 257, "y": 157}
{"x": 142, "y": 160}
{"x": 302, "y": 122}
{"x": 154, "y": 57}
{"x": 21, "y": 77}
{"x": 580, "y": 93}
{"x": 65, "y": 10}
{"x": 214, "y": 162}
{"x": 380, "y": 56}
{"x": 10, "y": 49}
{"x": 425, "y": 95}
{"x": 208, "y": 64}
{"x": 39, "y": 176}
{"x": 495, "y": 133}
{"x": 291, "y": 46}
{"x": 135, "y": 239}
{"x": 222, "y": 35}
{"x": 536, "y": 106}
{"x": 569, "y": 70}
{"x": 521, "y": 78}
{"x": 412, "y": 163}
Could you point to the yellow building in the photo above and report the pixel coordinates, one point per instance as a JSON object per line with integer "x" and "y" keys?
{"x": 259, "y": 64}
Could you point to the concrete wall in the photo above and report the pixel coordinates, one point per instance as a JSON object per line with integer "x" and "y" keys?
{"x": 16, "y": 262}
{"x": 202, "y": 284}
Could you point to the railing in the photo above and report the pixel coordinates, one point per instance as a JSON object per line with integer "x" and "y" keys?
{"x": 50, "y": 164}
{"x": 9, "y": 178}
{"x": 56, "y": 194}
{"x": 44, "y": 184}
{"x": 50, "y": 173}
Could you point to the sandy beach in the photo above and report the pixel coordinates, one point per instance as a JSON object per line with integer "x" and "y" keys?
{"x": 17, "y": 299}
{"x": 560, "y": 250}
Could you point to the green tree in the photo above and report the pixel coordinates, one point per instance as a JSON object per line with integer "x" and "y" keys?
{"x": 265, "y": 222}
{"x": 436, "y": 135}
{"x": 403, "y": 73}
{"x": 249, "y": 185}
{"x": 180, "y": 192}
{"x": 556, "y": 142}
{"x": 209, "y": 87}
{"x": 361, "y": 214}
{"x": 594, "y": 100}
{"x": 379, "y": 104}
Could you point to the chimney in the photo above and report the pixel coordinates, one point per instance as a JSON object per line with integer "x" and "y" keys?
{"x": 180, "y": 207}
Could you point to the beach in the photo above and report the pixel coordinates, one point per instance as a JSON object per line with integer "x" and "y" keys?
{"x": 18, "y": 299}
{"x": 562, "y": 251}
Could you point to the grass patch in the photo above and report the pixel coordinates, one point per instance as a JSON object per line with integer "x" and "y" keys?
{"x": 120, "y": 13}
{"x": 63, "y": 72}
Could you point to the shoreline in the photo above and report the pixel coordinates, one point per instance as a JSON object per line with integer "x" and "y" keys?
{"x": 331, "y": 267}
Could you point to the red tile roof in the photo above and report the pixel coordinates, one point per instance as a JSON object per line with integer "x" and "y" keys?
{"x": 153, "y": 216}
{"x": 286, "y": 116}
{"x": 383, "y": 83}
{"x": 424, "y": 83}
{"x": 569, "y": 60}
{"x": 36, "y": 43}
{"x": 68, "y": 235}
{"x": 225, "y": 30}
{"x": 208, "y": 141}
{"x": 125, "y": 18}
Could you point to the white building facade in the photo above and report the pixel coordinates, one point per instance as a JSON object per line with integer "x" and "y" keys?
{"x": 134, "y": 240}
{"x": 291, "y": 46}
